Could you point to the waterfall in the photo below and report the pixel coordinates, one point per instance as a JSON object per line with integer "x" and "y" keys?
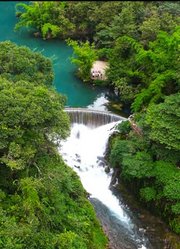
{"x": 84, "y": 151}
{"x": 92, "y": 118}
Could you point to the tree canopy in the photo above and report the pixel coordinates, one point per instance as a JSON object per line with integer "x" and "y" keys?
{"x": 43, "y": 203}
{"x": 84, "y": 56}
{"x": 18, "y": 63}
{"x": 28, "y": 115}
{"x": 47, "y": 17}
{"x": 164, "y": 122}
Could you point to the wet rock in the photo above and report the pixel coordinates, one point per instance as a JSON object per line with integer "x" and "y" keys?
{"x": 114, "y": 177}
{"x": 102, "y": 164}
{"x": 107, "y": 169}
{"x": 101, "y": 158}
{"x": 77, "y": 156}
{"x": 101, "y": 161}
{"x": 76, "y": 166}
{"x": 78, "y": 135}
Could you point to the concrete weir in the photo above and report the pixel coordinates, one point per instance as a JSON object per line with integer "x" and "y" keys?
{"x": 92, "y": 118}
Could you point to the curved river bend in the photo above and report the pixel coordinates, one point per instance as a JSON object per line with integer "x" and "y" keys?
{"x": 65, "y": 82}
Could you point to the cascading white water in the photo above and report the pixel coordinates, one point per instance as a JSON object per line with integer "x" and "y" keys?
{"x": 81, "y": 151}
{"x": 84, "y": 151}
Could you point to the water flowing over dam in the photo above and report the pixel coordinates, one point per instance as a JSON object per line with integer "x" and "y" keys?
{"x": 92, "y": 118}
{"x": 84, "y": 151}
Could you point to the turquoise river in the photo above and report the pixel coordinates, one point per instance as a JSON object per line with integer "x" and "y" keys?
{"x": 78, "y": 94}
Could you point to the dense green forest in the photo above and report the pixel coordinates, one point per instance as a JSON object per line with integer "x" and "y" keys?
{"x": 140, "y": 41}
{"x": 42, "y": 202}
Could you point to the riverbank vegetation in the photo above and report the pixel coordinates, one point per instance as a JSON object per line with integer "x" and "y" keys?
{"x": 118, "y": 32}
{"x": 84, "y": 56}
{"x": 42, "y": 201}
{"x": 140, "y": 40}
{"x": 146, "y": 153}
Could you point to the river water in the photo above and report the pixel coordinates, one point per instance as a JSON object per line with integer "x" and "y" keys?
{"x": 78, "y": 94}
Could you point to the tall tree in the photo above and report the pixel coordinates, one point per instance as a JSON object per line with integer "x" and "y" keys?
{"x": 46, "y": 17}
{"x": 84, "y": 54}
{"x": 19, "y": 62}
{"x": 164, "y": 122}
{"x": 161, "y": 65}
{"x": 28, "y": 115}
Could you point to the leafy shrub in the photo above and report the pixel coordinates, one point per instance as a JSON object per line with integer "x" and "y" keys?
{"x": 124, "y": 127}
{"x": 148, "y": 193}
